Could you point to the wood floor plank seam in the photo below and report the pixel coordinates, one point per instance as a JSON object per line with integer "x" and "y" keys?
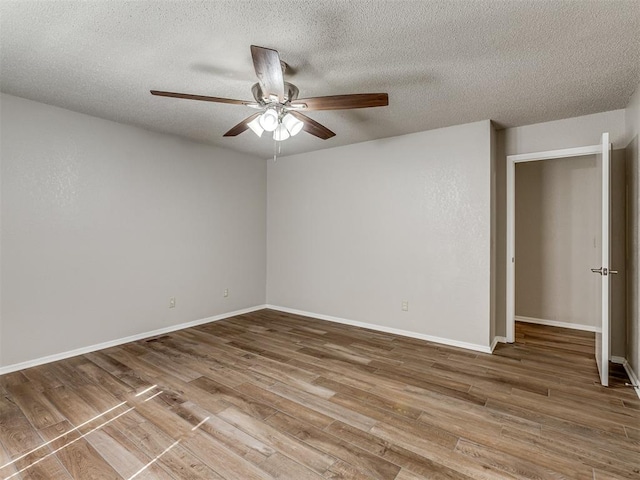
{"x": 270, "y": 394}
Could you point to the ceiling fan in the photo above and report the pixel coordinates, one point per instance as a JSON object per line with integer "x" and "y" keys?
{"x": 278, "y": 103}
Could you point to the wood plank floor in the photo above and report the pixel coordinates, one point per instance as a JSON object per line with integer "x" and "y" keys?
{"x": 271, "y": 395}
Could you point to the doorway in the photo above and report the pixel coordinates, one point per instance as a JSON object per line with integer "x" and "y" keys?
{"x": 602, "y": 151}
{"x": 558, "y": 215}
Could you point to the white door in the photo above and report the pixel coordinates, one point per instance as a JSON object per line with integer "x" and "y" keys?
{"x": 603, "y": 340}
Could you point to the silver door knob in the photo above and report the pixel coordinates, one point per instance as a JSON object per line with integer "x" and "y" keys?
{"x": 604, "y": 271}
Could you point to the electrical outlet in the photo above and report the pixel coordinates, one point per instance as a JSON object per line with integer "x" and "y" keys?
{"x": 405, "y": 306}
{"x": 172, "y": 302}
{"x": 226, "y": 293}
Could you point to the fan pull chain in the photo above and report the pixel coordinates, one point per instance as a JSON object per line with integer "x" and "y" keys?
{"x": 277, "y": 148}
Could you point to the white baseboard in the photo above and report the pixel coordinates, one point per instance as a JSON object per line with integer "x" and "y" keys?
{"x": 112, "y": 343}
{"x": 632, "y": 375}
{"x": 380, "y": 328}
{"x": 553, "y": 323}
{"x": 497, "y": 340}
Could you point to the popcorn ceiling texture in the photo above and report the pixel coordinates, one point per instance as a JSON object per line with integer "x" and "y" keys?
{"x": 442, "y": 62}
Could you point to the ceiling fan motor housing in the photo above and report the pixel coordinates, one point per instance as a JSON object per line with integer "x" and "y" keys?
{"x": 290, "y": 93}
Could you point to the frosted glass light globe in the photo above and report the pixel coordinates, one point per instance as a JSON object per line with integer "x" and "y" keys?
{"x": 269, "y": 120}
{"x": 281, "y": 133}
{"x": 292, "y": 123}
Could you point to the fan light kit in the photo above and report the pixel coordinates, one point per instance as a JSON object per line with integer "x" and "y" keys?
{"x": 278, "y": 102}
{"x": 269, "y": 120}
{"x": 255, "y": 126}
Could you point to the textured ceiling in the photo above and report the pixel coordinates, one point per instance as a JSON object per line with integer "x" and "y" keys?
{"x": 442, "y": 62}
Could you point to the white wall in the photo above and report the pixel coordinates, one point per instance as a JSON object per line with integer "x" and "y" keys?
{"x": 103, "y": 222}
{"x": 355, "y": 230}
{"x": 632, "y": 118}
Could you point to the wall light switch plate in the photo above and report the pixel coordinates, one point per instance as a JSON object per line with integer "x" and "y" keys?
{"x": 405, "y": 306}
{"x": 172, "y": 302}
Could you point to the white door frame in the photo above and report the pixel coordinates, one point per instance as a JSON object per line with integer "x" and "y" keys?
{"x": 511, "y": 218}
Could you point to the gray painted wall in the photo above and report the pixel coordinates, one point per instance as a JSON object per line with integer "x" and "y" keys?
{"x": 355, "y": 230}
{"x": 103, "y": 222}
{"x": 567, "y": 133}
{"x": 633, "y": 242}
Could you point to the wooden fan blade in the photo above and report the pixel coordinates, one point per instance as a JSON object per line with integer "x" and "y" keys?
{"x": 204, "y": 98}
{"x": 313, "y": 127}
{"x": 266, "y": 63}
{"x": 342, "y": 102}
{"x": 242, "y": 126}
